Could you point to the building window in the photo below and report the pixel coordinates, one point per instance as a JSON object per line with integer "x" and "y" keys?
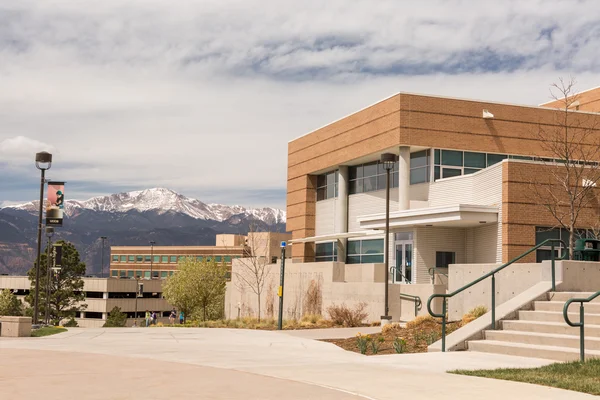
{"x": 544, "y": 233}
{"x": 147, "y": 259}
{"x": 365, "y": 251}
{"x": 370, "y": 177}
{"x": 139, "y": 258}
{"x": 327, "y": 185}
{"x": 200, "y": 258}
{"x": 123, "y": 258}
{"x": 419, "y": 167}
{"x": 115, "y": 258}
{"x": 444, "y": 258}
{"x": 138, "y": 274}
{"x": 218, "y": 258}
{"x": 326, "y": 252}
{"x": 130, "y": 274}
{"x": 114, "y": 273}
{"x": 146, "y": 274}
{"x": 163, "y": 274}
{"x": 122, "y": 273}
{"x": 131, "y": 258}
{"x": 156, "y": 259}
{"x": 450, "y": 163}
{"x": 173, "y": 259}
{"x": 164, "y": 259}
{"x": 227, "y": 259}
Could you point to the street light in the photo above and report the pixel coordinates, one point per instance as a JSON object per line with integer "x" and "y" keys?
{"x": 102, "y": 265}
{"x": 49, "y": 233}
{"x": 152, "y": 243}
{"x": 43, "y": 162}
{"x": 388, "y": 160}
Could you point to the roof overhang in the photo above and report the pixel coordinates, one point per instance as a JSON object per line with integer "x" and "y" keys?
{"x": 455, "y": 216}
{"x": 336, "y": 236}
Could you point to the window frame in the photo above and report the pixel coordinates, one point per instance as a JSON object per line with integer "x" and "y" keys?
{"x": 362, "y": 257}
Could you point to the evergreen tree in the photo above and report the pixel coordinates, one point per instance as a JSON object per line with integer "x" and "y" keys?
{"x": 66, "y": 285}
{"x": 115, "y": 319}
{"x": 9, "y": 304}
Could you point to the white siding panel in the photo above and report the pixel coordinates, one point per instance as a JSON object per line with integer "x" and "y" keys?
{"x": 482, "y": 244}
{"x": 368, "y": 203}
{"x": 325, "y": 217}
{"x": 432, "y": 239}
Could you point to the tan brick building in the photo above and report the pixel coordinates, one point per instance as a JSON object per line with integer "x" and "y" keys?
{"x": 461, "y": 188}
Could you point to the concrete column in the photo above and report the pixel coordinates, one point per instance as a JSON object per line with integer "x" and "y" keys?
{"x": 341, "y": 211}
{"x": 104, "y": 316}
{"x": 105, "y": 295}
{"x": 404, "y": 178}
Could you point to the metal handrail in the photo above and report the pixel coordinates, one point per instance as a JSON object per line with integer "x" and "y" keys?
{"x": 432, "y": 274}
{"x": 492, "y": 274}
{"x": 581, "y": 322}
{"x": 402, "y": 277}
{"x": 416, "y": 299}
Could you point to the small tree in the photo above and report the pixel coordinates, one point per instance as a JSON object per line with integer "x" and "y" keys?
{"x": 9, "y": 304}
{"x": 573, "y": 145}
{"x": 115, "y": 319}
{"x": 252, "y": 271}
{"x": 66, "y": 285}
{"x": 198, "y": 287}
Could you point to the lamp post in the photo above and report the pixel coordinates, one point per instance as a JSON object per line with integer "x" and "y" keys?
{"x": 49, "y": 233}
{"x": 152, "y": 243}
{"x": 43, "y": 162}
{"x": 388, "y": 160}
{"x": 102, "y": 265}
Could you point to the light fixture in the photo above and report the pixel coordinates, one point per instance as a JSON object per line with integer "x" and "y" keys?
{"x": 487, "y": 114}
{"x": 388, "y": 160}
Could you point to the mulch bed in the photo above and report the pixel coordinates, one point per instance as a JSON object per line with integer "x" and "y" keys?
{"x": 417, "y": 337}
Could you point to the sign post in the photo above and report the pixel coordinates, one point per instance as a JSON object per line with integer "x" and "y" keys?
{"x": 280, "y": 290}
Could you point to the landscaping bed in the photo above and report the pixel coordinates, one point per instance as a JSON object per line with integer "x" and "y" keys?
{"x": 47, "y": 331}
{"x": 394, "y": 339}
{"x": 577, "y": 376}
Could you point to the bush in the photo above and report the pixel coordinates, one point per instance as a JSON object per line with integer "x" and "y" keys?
{"x": 390, "y": 327}
{"x": 420, "y": 320}
{"x": 71, "y": 323}
{"x": 345, "y": 316}
{"x": 313, "y": 301}
{"x": 116, "y": 319}
{"x": 474, "y": 314}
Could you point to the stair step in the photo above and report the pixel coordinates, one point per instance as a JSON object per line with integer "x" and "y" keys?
{"x": 546, "y": 339}
{"x": 552, "y": 316}
{"x": 564, "y": 296}
{"x": 529, "y": 350}
{"x": 557, "y": 306}
{"x": 560, "y": 328}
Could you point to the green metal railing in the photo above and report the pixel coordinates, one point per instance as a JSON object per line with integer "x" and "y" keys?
{"x": 416, "y": 299}
{"x": 581, "y": 323}
{"x": 432, "y": 274}
{"x": 493, "y": 273}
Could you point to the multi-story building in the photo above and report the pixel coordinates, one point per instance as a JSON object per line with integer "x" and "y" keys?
{"x": 103, "y": 294}
{"x": 161, "y": 261}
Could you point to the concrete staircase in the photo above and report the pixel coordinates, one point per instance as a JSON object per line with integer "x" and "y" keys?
{"x": 543, "y": 333}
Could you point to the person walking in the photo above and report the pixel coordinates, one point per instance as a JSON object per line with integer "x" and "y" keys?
{"x": 181, "y": 317}
{"x": 153, "y": 317}
{"x": 147, "y": 318}
{"x": 172, "y": 316}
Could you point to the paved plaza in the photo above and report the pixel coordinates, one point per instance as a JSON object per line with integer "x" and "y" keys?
{"x": 182, "y": 363}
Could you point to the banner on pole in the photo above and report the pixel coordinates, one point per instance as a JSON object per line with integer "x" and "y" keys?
{"x": 57, "y": 255}
{"x": 56, "y": 204}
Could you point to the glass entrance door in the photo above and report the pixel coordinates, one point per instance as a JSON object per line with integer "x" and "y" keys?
{"x": 403, "y": 271}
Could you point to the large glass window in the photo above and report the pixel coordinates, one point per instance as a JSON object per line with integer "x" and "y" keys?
{"x": 139, "y": 258}
{"x": 364, "y": 251}
{"x": 326, "y": 252}
{"x": 173, "y": 259}
{"x": 444, "y": 258}
{"x": 419, "y": 167}
{"x": 450, "y": 163}
{"x": 164, "y": 259}
{"x": 147, "y": 259}
{"x": 370, "y": 177}
{"x": 327, "y": 185}
{"x": 115, "y": 258}
{"x": 543, "y": 233}
{"x": 123, "y": 258}
{"x": 131, "y": 258}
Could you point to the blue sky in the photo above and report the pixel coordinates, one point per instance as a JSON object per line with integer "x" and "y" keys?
{"x": 203, "y": 96}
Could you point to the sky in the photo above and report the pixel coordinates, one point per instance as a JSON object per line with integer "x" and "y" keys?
{"x": 202, "y": 97}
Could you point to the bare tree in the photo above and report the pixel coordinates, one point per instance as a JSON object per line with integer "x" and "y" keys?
{"x": 572, "y": 143}
{"x": 252, "y": 271}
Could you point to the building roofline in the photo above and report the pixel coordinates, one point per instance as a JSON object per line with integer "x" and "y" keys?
{"x": 447, "y": 98}
{"x": 575, "y": 94}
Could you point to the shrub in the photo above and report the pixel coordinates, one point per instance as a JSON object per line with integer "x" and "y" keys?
{"x": 71, "y": 323}
{"x": 390, "y": 327}
{"x": 399, "y": 345}
{"x": 345, "y": 316}
{"x": 115, "y": 319}
{"x": 474, "y": 314}
{"x": 313, "y": 300}
{"x": 420, "y": 320}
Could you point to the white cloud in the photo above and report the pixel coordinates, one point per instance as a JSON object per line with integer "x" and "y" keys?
{"x": 205, "y": 95}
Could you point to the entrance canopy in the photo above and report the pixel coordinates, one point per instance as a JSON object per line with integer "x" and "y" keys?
{"x": 456, "y": 216}
{"x": 336, "y": 236}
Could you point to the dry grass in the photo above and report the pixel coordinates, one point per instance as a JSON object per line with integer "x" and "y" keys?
{"x": 307, "y": 322}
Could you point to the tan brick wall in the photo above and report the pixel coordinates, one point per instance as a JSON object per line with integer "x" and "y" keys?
{"x": 588, "y": 101}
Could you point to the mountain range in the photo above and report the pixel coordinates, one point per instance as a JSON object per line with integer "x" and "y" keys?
{"x": 127, "y": 219}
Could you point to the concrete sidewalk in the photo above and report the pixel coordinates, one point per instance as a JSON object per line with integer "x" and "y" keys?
{"x": 273, "y": 355}
{"x": 332, "y": 333}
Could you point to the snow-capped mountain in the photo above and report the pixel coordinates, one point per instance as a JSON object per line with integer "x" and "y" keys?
{"x": 161, "y": 200}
